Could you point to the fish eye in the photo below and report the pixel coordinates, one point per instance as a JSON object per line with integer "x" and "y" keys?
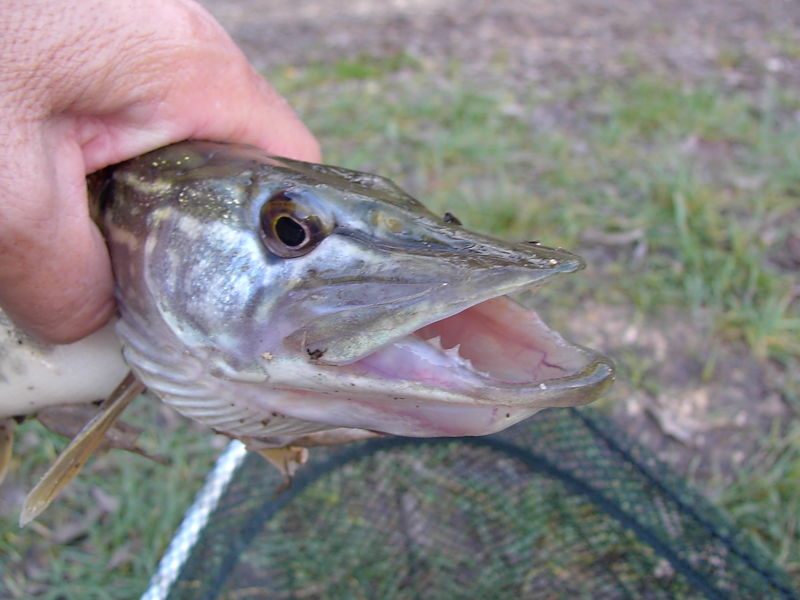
{"x": 290, "y": 232}
{"x": 289, "y": 225}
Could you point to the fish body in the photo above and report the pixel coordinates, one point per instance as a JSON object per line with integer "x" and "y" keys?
{"x": 35, "y": 376}
{"x": 270, "y": 299}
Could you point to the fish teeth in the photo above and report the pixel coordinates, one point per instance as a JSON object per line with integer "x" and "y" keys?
{"x": 466, "y": 362}
{"x": 436, "y": 342}
{"x": 454, "y": 351}
{"x": 479, "y": 371}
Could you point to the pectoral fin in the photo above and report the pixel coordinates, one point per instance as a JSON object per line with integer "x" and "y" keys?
{"x": 6, "y": 445}
{"x": 75, "y": 455}
{"x": 68, "y": 421}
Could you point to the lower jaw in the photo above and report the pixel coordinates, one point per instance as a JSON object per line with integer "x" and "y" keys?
{"x": 437, "y": 419}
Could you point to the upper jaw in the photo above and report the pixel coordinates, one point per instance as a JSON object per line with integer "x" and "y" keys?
{"x": 399, "y": 291}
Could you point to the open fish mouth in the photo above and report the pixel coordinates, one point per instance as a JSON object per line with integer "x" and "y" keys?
{"x": 472, "y": 373}
{"x": 494, "y": 344}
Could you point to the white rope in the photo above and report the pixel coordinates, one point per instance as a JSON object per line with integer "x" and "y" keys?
{"x": 195, "y": 520}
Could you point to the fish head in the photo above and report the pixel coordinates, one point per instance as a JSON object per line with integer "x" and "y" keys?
{"x": 328, "y": 297}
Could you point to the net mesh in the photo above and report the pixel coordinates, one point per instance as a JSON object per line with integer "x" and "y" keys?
{"x": 560, "y": 506}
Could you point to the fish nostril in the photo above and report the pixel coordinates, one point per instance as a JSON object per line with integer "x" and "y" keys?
{"x": 451, "y": 218}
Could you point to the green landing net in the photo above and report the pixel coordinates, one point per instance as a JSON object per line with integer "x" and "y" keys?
{"x": 560, "y": 506}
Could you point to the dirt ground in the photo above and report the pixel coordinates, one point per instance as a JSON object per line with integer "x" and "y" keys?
{"x": 545, "y": 42}
{"x": 513, "y": 45}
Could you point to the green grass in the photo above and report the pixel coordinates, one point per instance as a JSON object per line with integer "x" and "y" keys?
{"x": 151, "y": 498}
{"x": 764, "y": 501}
{"x": 710, "y": 178}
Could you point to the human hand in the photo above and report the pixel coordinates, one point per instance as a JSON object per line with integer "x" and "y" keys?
{"x": 87, "y": 84}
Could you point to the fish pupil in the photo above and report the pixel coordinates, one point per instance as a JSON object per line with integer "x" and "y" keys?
{"x": 290, "y": 232}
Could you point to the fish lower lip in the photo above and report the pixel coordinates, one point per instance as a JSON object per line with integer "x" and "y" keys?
{"x": 496, "y": 344}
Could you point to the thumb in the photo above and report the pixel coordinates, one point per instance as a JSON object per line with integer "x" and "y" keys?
{"x": 55, "y": 275}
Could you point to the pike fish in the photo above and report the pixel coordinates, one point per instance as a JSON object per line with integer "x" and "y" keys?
{"x": 273, "y": 300}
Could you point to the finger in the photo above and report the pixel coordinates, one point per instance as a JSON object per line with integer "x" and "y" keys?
{"x": 55, "y": 276}
{"x": 238, "y": 103}
{"x": 256, "y": 114}
{"x": 201, "y": 87}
